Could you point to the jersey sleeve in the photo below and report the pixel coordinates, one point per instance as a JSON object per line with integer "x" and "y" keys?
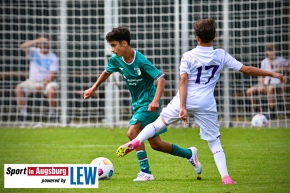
{"x": 231, "y": 62}
{"x": 110, "y": 67}
{"x": 184, "y": 67}
{"x": 31, "y": 51}
{"x": 152, "y": 70}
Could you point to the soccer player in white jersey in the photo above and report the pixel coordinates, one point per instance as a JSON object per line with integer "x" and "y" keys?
{"x": 200, "y": 70}
{"x": 139, "y": 74}
{"x": 43, "y": 71}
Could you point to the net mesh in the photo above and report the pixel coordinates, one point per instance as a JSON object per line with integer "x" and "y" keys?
{"x": 161, "y": 30}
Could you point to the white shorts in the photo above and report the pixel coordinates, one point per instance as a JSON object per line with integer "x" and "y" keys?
{"x": 207, "y": 120}
{"x": 29, "y": 86}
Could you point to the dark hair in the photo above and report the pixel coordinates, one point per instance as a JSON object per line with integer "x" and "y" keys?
{"x": 205, "y": 29}
{"x": 271, "y": 47}
{"x": 45, "y": 35}
{"x": 119, "y": 34}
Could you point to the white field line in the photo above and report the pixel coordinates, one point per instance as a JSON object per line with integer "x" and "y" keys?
{"x": 64, "y": 145}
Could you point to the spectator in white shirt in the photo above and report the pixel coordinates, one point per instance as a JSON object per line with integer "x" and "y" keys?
{"x": 267, "y": 85}
{"x": 42, "y": 76}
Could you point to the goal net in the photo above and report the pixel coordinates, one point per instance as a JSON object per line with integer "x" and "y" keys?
{"x": 162, "y": 30}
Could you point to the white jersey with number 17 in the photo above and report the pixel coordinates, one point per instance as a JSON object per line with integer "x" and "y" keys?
{"x": 203, "y": 66}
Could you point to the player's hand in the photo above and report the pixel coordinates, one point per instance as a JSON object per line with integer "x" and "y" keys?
{"x": 42, "y": 39}
{"x": 153, "y": 106}
{"x": 183, "y": 116}
{"x": 279, "y": 76}
{"x": 88, "y": 93}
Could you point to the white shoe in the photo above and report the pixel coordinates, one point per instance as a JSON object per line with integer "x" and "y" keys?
{"x": 143, "y": 177}
{"x": 194, "y": 161}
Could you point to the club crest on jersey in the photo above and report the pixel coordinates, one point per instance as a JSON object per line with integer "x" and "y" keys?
{"x": 138, "y": 71}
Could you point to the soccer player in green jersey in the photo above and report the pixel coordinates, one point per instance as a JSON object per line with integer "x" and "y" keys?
{"x": 139, "y": 74}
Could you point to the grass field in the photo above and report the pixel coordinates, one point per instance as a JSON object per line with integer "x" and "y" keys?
{"x": 258, "y": 160}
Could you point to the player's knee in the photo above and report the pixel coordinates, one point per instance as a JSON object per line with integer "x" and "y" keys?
{"x": 250, "y": 91}
{"x": 51, "y": 90}
{"x": 18, "y": 90}
{"x": 131, "y": 134}
{"x": 215, "y": 146}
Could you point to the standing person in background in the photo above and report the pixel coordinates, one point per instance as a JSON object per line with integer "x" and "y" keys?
{"x": 200, "y": 69}
{"x": 267, "y": 85}
{"x": 43, "y": 71}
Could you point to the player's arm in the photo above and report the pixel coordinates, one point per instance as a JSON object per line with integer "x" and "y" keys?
{"x": 154, "y": 105}
{"x": 24, "y": 47}
{"x": 253, "y": 71}
{"x": 182, "y": 95}
{"x": 89, "y": 92}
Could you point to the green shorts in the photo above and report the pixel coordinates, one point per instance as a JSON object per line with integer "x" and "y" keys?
{"x": 146, "y": 117}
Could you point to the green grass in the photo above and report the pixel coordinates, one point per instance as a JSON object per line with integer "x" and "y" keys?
{"x": 258, "y": 160}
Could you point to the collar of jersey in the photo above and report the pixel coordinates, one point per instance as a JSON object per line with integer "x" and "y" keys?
{"x": 132, "y": 60}
{"x": 204, "y": 48}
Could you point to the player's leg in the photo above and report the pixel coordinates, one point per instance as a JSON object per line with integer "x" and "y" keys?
{"x": 140, "y": 150}
{"x": 148, "y": 132}
{"x": 271, "y": 97}
{"x": 220, "y": 160}
{"x": 145, "y": 172}
{"x": 271, "y": 100}
{"x": 20, "y": 99}
{"x": 189, "y": 153}
{"x": 209, "y": 131}
{"x": 171, "y": 113}
{"x": 21, "y": 91}
{"x": 251, "y": 92}
{"x": 51, "y": 93}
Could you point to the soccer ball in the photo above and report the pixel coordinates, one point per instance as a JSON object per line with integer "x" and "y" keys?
{"x": 105, "y": 168}
{"x": 259, "y": 120}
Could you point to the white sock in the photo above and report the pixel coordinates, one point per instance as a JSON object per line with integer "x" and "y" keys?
{"x": 23, "y": 111}
{"x": 52, "y": 112}
{"x": 151, "y": 129}
{"x": 219, "y": 156}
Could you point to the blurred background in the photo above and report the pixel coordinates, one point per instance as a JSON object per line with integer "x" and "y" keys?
{"x": 161, "y": 29}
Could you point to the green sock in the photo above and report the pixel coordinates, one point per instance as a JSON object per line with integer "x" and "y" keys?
{"x": 181, "y": 152}
{"x": 143, "y": 161}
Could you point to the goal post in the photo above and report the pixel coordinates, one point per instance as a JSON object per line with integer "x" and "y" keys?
{"x": 112, "y": 105}
{"x": 63, "y": 55}
{"x": 227, "y": 117}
